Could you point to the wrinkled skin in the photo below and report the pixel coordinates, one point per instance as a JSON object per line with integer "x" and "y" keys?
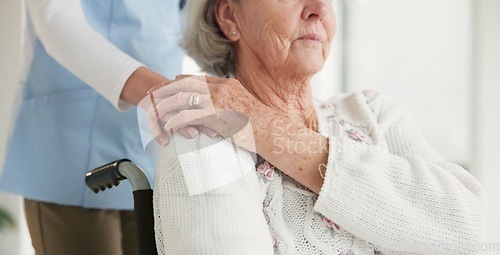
{"x": 279, "y": 45}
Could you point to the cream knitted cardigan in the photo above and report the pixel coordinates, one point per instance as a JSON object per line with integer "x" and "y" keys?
{"x": 386, "y": 191}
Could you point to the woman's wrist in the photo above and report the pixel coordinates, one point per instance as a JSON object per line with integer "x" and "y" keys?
{"x": 139, "y": 83}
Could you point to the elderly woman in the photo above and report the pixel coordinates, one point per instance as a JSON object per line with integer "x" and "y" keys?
{"x": 352, "y": 175}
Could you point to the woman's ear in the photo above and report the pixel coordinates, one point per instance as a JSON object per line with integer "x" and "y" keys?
{"x": 225, "y": 15}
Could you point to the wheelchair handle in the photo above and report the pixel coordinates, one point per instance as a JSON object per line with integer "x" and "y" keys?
{"x": 113, "y": 173}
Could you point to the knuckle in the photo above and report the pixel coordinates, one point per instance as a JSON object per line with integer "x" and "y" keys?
{"x": 178, "y": 97}
{"x": 183, "y": 116}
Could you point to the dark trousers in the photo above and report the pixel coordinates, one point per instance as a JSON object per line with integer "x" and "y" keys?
{"x": 69, "y": 230}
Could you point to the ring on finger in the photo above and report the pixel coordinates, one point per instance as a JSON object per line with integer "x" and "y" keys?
{"x": 194, "y": 100}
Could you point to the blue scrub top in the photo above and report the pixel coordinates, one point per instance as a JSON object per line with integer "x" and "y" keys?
{"x": 64, "y": 128}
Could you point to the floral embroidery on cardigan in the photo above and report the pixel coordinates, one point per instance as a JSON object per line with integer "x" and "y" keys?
{"x": 356, "y": 135}
{"x": 330, "y": 226}
{"x": 266, "y": 170}
{"x": 355, "y": 132}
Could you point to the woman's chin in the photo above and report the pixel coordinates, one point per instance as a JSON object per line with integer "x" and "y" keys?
{"x": 309, "y": 68}
{"x": 309, "y": 63}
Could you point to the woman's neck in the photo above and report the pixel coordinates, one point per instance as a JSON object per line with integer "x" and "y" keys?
{"x": 290, "y": 95}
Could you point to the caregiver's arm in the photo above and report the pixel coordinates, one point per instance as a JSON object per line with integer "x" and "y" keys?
{"x": 64, "y": 32}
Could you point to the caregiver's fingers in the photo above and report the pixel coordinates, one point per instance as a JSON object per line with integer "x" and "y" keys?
{"x": 182, "y": 83}
{"x": 149, "y": 100}
{"x": 189, "y": 84}
{"x": 163, "y": 139}
{"x": 156, "y": 126}
{"x": 193, "y": 117}
{"x": 146, "y": 102}
{"x": 207, "y": 131}
{"x": 226, "y": 124}
{"x": 189, "y": 132}
{"x": 181, "y": 101}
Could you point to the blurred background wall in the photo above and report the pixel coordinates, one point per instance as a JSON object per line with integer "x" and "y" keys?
{"x": 14, "y": 241}
{"x": 440, "y": 58}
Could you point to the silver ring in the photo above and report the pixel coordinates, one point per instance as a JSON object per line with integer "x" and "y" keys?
{"x": 194, "y": 100}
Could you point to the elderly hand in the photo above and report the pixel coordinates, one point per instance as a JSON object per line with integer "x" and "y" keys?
{"x": 208, "y": 104}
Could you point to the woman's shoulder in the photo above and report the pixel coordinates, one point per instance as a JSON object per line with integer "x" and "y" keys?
{"x": 364, "y": 110}
{"x": 357, "y": 102}
{"x": 361, "y": 97}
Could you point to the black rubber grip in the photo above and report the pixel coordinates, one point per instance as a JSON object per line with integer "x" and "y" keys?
{"x": 105, "y": 176}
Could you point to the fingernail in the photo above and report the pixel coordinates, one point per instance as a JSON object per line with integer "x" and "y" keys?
{"x": 166, "y": 127}
{"x": 192, "y": 132}
{"x": 212, "y": 133}
{"x": 163, "y": 141}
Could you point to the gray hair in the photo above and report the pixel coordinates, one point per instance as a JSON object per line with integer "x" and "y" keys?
{"x": 204, "y": 41}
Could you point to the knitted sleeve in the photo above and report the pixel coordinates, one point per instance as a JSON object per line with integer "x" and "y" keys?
{"x": 394, "y": 191}
{"x": 207, "y": 199}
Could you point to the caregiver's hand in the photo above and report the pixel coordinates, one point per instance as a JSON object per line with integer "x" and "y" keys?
{"x": 159, "y": 111}
{"x": 208, "y": 104}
